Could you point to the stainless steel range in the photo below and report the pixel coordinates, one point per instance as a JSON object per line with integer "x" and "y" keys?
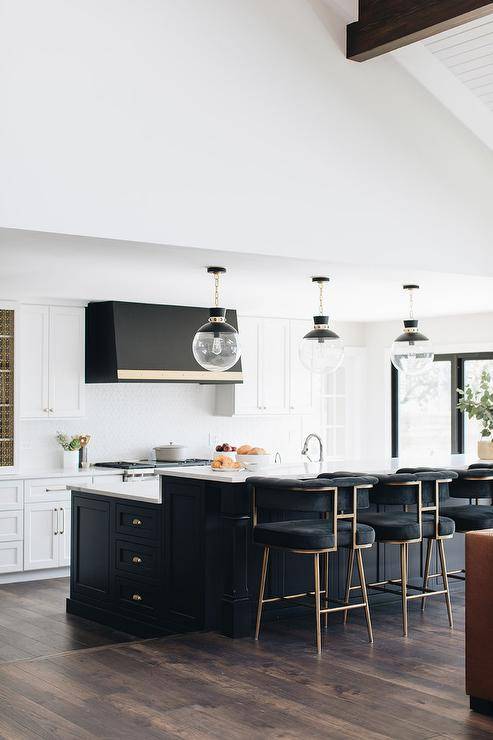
{"x": 137, "y": 470}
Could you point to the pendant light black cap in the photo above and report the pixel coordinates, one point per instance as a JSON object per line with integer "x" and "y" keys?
{"x": 216, "y": 312}
{"x": 216, "y": 270}
{"x": 321, "y": 333}
{"x": 411, "y": 336}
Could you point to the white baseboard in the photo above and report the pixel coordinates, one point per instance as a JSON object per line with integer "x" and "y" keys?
{"x": 34, "y": 575}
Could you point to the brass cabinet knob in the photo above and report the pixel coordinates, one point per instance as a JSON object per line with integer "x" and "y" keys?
{"x": 136, "y": 559}
{"x": 136, "y": 597}
{"x": 137, "y": 522}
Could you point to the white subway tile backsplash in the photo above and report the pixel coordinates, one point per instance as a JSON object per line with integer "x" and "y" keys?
{"x": 127, "y": 420}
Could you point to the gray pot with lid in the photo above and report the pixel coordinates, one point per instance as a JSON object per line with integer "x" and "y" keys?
{"x": 171, "y": 452}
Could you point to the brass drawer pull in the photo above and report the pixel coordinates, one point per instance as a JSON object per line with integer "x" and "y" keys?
{"x": 137, "y": 522}
{"x": 136, "y": 559}
{"x": 136, "y": 597}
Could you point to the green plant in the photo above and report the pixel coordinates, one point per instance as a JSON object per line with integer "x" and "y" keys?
{"x": 479, "y": 403}
{"x": 69, "y": 444}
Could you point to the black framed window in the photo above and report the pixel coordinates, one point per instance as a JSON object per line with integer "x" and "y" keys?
{"x": 425, "y": 418}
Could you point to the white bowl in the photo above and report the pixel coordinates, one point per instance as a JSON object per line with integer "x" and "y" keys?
{"x": 231, "y": 455}
{"x": 254, "y": 462}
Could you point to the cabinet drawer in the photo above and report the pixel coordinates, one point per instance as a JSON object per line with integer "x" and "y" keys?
{"x": 11, "y": 557}
{"x": 52, "y": 489}
{"x": 11, "y": 494}
{"x": 137, "y": 521}
{"x": 11, "y": 525}
{"x": 138, "y": 559}
{"x": 137, "y": 598}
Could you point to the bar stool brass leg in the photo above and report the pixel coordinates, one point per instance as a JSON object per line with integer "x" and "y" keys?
{"x": 263, "y": 578}
{"x": 326, "y": 586}
{"x": 443, "y": 563}
{"x": 349, "y": 581}
{"x": 316, "y": 564}
{"x": 404, "y": 586}
{"x": 364, "y": 592}
{"x": 429, "y": 552}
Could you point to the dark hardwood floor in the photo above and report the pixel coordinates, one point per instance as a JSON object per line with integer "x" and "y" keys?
{"x": 64, "y": 677}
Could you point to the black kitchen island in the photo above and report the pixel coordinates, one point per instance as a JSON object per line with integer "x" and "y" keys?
{"x": 185, "y": 560}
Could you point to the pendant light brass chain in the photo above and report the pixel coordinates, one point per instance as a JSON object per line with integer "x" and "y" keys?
{"x": 216, "y": 289}
{"x": 321, "y": 297}
{"x": 411, "y": 304}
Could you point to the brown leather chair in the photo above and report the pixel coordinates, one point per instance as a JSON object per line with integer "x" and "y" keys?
{"x": 479, "y": 620}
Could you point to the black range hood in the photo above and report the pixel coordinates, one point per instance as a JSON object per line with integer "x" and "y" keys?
{"x": 143, "y": 342}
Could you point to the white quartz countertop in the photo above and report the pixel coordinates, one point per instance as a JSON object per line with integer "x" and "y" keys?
{"x": 129, "y": 491}
{"x": 295, "y": 470}
{"x": 136, "y": 492}
{"x": 61, "y": 473}
{"x": 311, "y": 470}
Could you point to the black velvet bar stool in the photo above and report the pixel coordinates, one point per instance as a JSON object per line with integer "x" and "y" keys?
{"x": 475, "y": 484}
{"x": 404, "y": 527}
{"x": 333, "y": 505}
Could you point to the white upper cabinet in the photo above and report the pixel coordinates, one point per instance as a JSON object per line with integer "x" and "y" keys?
{"x": 274, "y": 365}
{"x": 66, "y": 366}
{"x": 303, "y": 384}
{"x": 248, "y": 393}
{"x": 35, "y": 331}
{"x": 52, "y": 361}
{"x": 275, "y": 382}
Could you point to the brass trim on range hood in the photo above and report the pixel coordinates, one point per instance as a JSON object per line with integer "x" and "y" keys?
{"x": 191, "y": 375}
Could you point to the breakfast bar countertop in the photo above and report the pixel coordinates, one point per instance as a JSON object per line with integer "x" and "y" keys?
{"x": 310, "y": 470}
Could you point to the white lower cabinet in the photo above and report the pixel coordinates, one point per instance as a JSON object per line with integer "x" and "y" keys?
{"x": 46, "y": 535}
{"x": 52, "y": 489}
{"x": 11, "y": 494}
{"x": 11, "y": 557}
{"x": 64, "y": 535}
{"x": 11, "y": 525}
{"x": 35, "y": 520}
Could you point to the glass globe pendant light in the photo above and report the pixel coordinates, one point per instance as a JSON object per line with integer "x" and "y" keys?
{"x": 216, "y": 345}
{"x": 321, "y": 350}
{"x": 412, "y": 352}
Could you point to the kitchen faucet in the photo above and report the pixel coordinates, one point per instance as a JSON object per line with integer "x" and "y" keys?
{"x": 304, "y": 451}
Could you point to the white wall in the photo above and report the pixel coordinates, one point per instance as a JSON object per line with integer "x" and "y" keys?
{"x": 231, "y": 125}
{"x": 469, "y": 333}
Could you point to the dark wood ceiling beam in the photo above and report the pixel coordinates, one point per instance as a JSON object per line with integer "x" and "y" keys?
{"x": 385, "y": 25}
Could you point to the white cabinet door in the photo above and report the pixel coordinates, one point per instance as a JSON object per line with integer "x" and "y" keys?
{"x": 64, "y": 535}
{"x": 34, "y": 337}
{"x": 274, "y": 366}
{"x": 301, "y": 382}
{"x": 66, "y": 363}
{"x": 247, "y": 394}
{"x": 41, "y": 521}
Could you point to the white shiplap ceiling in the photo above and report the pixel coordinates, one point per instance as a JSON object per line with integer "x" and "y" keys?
{"x": 467, "y": 52}
{"x": 457, "y": 67}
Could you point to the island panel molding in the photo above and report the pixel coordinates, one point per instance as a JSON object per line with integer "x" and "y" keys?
{"x": 385, "y": 25}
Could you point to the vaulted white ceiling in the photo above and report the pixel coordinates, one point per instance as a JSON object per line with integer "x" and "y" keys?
{"x": 234, "y": 126}
{"x": 457, "y": 67}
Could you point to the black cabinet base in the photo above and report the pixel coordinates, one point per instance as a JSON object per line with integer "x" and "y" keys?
{"x": 117, "y": 621}
{"x": 483, "y": 706}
